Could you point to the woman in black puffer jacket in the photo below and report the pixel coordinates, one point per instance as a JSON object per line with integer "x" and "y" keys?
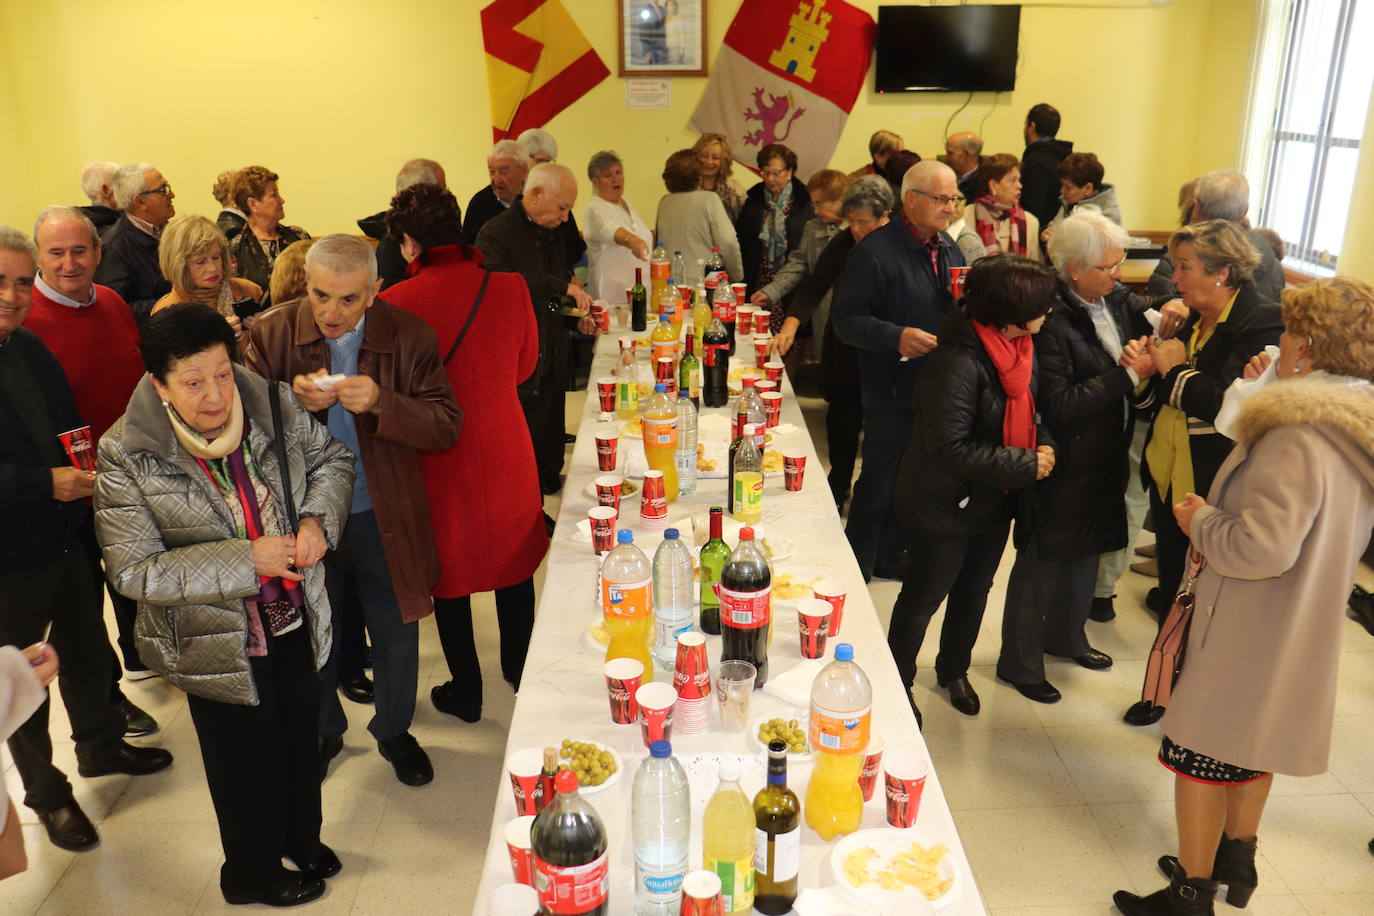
{"x": 976, "y": 443}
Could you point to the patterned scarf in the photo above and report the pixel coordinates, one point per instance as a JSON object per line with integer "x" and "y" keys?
{"x": 773, "y": 232}
{"x": 1013, "y": 360}
{"x": 989, "y": 214}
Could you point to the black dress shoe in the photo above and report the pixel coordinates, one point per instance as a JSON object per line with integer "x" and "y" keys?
{"x": 1362, "y": 609}
{"x": 291, "y": 891}
{"x": 1155, "y": 603}
{"x": 551, "y": 486}
{"x": 69, "y": 828}
{"x": 911, "y": 698}
{"x": 137, "y": 723}
{"x": 320, "y": 862}
{"x": 408, "y": 759}
{"x": 1143, "y": 713}
{"x": 330, "y": 746}
{"x": 1043, "y": 692}
{"x": 1092, "y": 659}
{"x": 962, "y": 696}
{"x": 135, "y": 761}
{"x": 449, "y": 698}
{"x": 569, "y": 438}
{"x": 889, "y": 572}
{"x": 1103, "y": 610}
{"x": 358, "y": 690}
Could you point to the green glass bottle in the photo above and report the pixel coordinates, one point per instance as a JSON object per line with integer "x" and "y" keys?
{"x": 715, "y": 553}
{"x": 777, "y": 838}
{"x": 639, "y": 303}
{"x": 689, "y": 373}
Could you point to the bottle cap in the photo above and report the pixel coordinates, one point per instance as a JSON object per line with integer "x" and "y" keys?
{"x": 844, "y": 652}
{"x": 625, "y": 536}
{"x": 747, "y": 534}
{"x": 729, "y": 769}
{"x": 660, "y": 749}
{"x": 661, "y": 388}
{"x": 565, "y": 781}
{"x": 670, "y": 534}
{"x": 750, "y": 429}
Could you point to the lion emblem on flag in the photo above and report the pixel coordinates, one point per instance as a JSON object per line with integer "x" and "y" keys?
{"x": 770, "y": 115}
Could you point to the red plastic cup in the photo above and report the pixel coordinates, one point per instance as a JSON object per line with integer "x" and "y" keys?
{"x": 956, "y": 281}
{"x": 656, "y": 700}
{"x": 701, "y": 895}
{"x": 667, "y": 375}
{"x": 760, "y": 350}
{"x": 623, "y": 677}
{"x": 517, "y": 835}
{"x": 608, "y": 488}
{"x": 601, "y": 314}
{"x": 744, "y": 319}
{"x": 692, "y": 673}
{"x": 904, "y": 779}
{"x": 873, "y": 763}
{"x": 653, "y": 502}
{"x": 606, "y": 441}
{"x": 763, "y": 385}
{"x": 813, "y": 623}
{"x": 739, "y": 289}
{"x": 79, "y": 447}
{"x": 772, "y": 406}
{"x": 605, "y": 393}
{"x": 773, "y": 369}
{"x": 830, "y": 590}
{"x": 684, "y": 293}
{"x": 524, "y": 768}
{"x": 603, "y": 528}
{"x": 793, "y": 469}
{"x": 763, "y": 319}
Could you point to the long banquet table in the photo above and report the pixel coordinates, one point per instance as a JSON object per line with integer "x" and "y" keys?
{"x": 563, "y": 694}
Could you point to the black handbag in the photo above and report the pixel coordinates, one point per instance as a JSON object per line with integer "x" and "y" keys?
{"x": 481, "y": 294}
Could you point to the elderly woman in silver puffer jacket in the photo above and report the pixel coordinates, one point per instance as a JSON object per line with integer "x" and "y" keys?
{"x": 196, "y": 525}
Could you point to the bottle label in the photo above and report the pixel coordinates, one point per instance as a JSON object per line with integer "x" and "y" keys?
{"x": 660, "y": 432}
{"x": 627, "y": 600}
{"x": 725, "y": 310}
{"x": 786, "y": 849}
{"x": 712, "y": 352}
{"x": 840, "y": 732}
{"x": 661, "y": 887}
{"x": 659, "y": 270}
{"x": 748, "y": 495}
{"x": 627, "y": 395}
{"x": 745, "y": 610}
{"x": 660, "y": 349}
{"x": 574, "y": 888}
{"x": 736, "y": 883}
{"x": 686, "y": 463}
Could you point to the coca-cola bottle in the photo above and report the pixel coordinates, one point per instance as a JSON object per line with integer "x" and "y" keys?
{"x": 715, "y": 359}
{"x": 570, "y": 862}
{"x": 723, "y": 307}
{"x": 746, "y": 592}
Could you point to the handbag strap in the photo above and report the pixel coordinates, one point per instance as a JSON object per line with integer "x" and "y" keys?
{"x": 279, "y": 442}
{"x": 481, "y": 293}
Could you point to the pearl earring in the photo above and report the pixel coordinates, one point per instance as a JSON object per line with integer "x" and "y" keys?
{"x": 1218, "y": 283}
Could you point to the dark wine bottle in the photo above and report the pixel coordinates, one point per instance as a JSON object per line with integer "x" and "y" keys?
{"x": 639, "y": 303}
{"x": 777, "y": 838}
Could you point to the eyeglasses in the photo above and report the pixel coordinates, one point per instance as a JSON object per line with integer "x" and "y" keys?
{"x": 774, "y": 173}
{"x": 166, "y": 189}
{"x": 940, "y": 199}
{"x": 1110, "y": 268}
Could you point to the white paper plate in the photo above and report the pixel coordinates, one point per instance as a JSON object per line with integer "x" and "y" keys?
{"x": 780, "y": 547}
{"x": 888, "y": 841}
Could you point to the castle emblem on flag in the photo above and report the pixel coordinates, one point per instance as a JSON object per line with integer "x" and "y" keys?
{"x": 807, "y": 31}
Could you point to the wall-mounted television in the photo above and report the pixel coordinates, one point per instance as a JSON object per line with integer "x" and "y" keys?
{"x": 947, "y": 48}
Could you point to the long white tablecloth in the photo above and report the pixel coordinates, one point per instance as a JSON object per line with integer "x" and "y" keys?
{"x": 563, "y": 695}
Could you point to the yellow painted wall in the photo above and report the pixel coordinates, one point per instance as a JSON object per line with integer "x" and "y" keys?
{"x": 335, "y": 95}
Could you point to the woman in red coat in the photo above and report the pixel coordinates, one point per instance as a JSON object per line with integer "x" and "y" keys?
{"x": 484, "y": 491}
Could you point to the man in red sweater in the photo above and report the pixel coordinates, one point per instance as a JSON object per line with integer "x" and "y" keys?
{"x": 92, "y": 333}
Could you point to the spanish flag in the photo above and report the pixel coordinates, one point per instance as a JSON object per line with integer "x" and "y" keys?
{"x": 538, "y": 63}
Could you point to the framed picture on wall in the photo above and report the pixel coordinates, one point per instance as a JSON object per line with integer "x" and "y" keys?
{"x": 662, "y": 37}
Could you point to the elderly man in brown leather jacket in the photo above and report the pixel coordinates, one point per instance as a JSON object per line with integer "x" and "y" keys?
{"x": 372, "y": 374}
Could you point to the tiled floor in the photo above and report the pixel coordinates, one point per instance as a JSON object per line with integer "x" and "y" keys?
{"x": 1057, "y": 806}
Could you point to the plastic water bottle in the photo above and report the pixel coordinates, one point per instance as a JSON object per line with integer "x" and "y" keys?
{"x": 673, "y": 583}
{"x": 841, "y": 713}
{"x": 679, "y": 270}
{"x": 661, "y": 823}
{"x": 686, "y": 446}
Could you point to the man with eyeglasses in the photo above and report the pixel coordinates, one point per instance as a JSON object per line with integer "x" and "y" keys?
{"x": 129, "y": 263}
{"x": 891, "y": 299}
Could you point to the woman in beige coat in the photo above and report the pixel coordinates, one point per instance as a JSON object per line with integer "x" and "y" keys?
{"x": 1281, "y": 532}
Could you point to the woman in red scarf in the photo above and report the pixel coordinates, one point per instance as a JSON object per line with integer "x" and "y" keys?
{"x": 976, "y": 449}
{"x": 1002, "y": 226}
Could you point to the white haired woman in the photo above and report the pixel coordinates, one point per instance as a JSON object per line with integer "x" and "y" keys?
{"x": 617, "y": 238}
{"x": 1086, "y": 381}
{"x": 1280, "y": 534}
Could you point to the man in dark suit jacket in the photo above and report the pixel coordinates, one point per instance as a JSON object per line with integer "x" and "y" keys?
{"x": 507, "y": 165}
{"x": 391, "y": 266}
{"x": 128, "y": 261}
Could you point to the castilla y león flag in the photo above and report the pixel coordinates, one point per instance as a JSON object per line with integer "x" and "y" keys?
{"x": 538, "y": 63}
{"x": 788, "y": 72}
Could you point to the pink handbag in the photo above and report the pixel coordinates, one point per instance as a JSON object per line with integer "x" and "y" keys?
{"x": 1166, "y": 655}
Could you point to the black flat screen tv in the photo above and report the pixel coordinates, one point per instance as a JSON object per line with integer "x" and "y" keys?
{"x": 947, "y": 48}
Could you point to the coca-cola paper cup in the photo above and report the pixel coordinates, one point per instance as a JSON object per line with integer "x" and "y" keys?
{"x": 517, "y": 835}
{"x": 956, "y": 281}
{"x": 773, "y": 369}
{"x": 763, "y": 319}
{"x": 79, "y": 447}
{"x": 701, "y": 895}
{"x": 904, "y": 779}
{"x": 772, "y": 407}
{"x": 739, "y": 289}
{"x": 763, "y": 385}
{"x": 608, "y": 488}
{"x": 606, "y": 442}
{"x": 655, "y": 702}
{"x": 653, "y": 502}
{"x": 524, "y": 767}
{"x": 813, "y": 622}
{"x": 692, "y": 673}
{"x": 873, "y": 764}
{"x": 623, "y": 678}
{"x": 512, "y": 900}
{"x": 831, "y": 590}
{"x": 603, "y": 528}
{"x": 761, "y": 350}
{"x": 793, "y": 468}
{"x": 744, "y": 320}
{"x": 684, "y": 294}
{"x": 605, "y": 393}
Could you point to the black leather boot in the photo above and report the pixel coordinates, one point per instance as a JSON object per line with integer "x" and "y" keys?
{"x": 1234, "y": 867}
{"x": 1183, "y": 897}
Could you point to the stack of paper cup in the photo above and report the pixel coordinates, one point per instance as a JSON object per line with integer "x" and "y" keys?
{"x": 692, "y": 681}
